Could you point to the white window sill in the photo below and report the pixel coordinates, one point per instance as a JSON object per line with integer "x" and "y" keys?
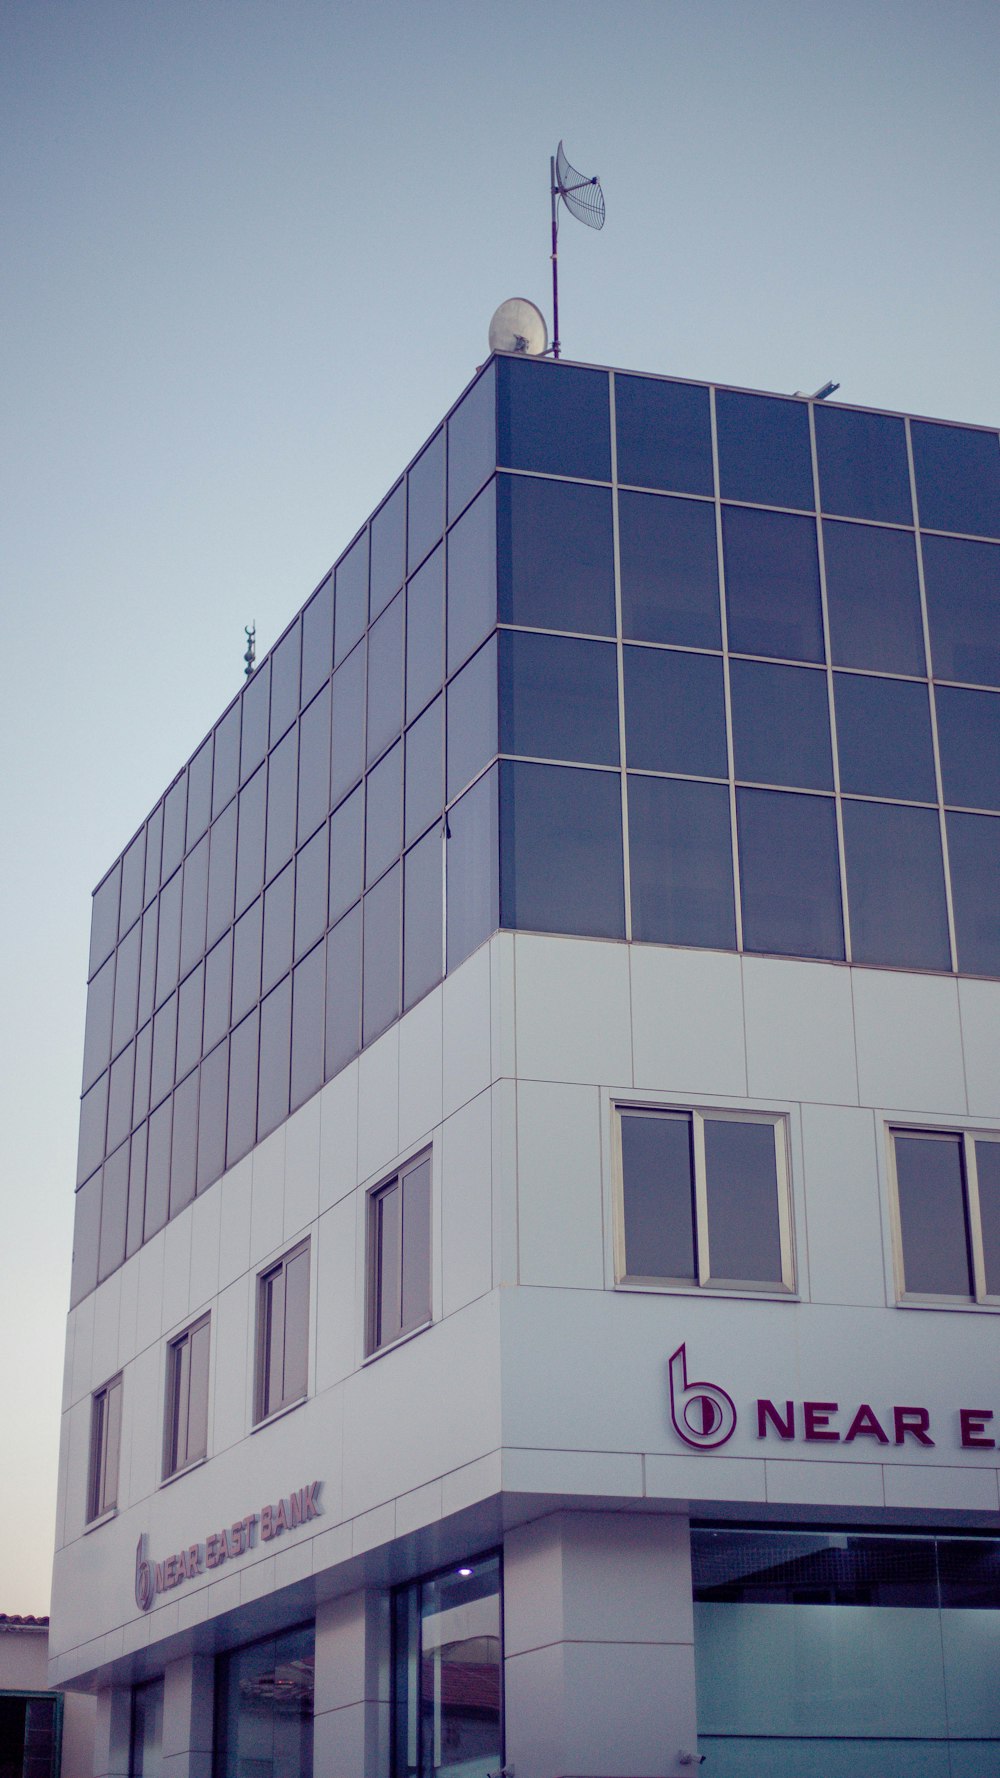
{"x": 176, "y": 1474}
{"x": 401, "y": 1340}
{"x": 103, "y": 1519}
{"x": 279, "y": 1413}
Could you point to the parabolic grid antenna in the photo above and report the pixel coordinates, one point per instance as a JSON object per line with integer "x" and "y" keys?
{"x": 584, "y": 199}
{"x": 518, "y": 326}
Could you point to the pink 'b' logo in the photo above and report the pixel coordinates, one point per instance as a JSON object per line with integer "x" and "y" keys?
{"x": 704, "y": 1416}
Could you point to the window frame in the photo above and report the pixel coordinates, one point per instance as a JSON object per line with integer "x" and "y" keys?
{"x": 264, "y": 1408}
{"x": 178, "y": 1383}
{"x": 99, "y": 1479}
{"x": 376, "y": 1340}
{"x": 979, "y": 1297}
{"x": 696, "y": 1117}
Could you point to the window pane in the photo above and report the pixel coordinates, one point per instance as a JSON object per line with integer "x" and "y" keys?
{"x": 675, "y": 713}
{"x": 136, "y": 1192}
{"x": 969, "y": 736}
{"x": 473, "y": 869}
{"x": 347, "y": 839}
{"x": 190, "y": 1003}
{"x": 384, "y": 814}
{"x": 472, "y": 448}
{"x": 764, "y": 449}
{"x": 347, "y": 744}
{"x": 221, "y": 873}
{"x": 789, "y": 874}
{"x": 772, "y": 584}
{"x": 154, "y": 844}
{"x": 988, "y": 1175}
{"x": 275, "y": 1058}
{"x": 282, "y": 778}
{"x": 664, "y": 435}
{"x": 385, "y": 679}
{"x": 184, "y": 1144}
{"x": 169, "y": 940}
{"x": 199, "y": 802}
{"x": 387, "y": 1210}
{"x": 197, "y": 1419}
{"x": 388, "y": 546}
{"x": 279, "y": 912}
{"x": 343, "y": 992}
{"x": 974, "y": 858}
{"x": 930, "y": 1179}
{"x": 553, "y": 418}
{"x": 317, "y": 639}
{"x": 133, "y": 876}
{"x": 658, "y": 1189}
{"x": 554, "y": 555}
{"x": 100, "y": 1003}
{"x": 174, "y": 818}
{"x": 226, "y": 769}
{"x": 157, "y": 1170}
{"x": 250, "y": 842}
{"x": 559, "y": 698}
{"x": 670, "y": 571}
{"x": 147, "y": 1730}
{"x": 104, "y": 918}
{"x": 126, "y": 980}
{"x": 86, "y": 1238}
{"x": 423, "y": 879}
{"x": 311, "y": 893}
{"x": 863, "y": 471}
{"x": 247, "y": 936}
{"x": 194, "y": 905}
{"x": 120, "y": 1098}
{"x": 218, "y": 971}
{"x": 425, "y": 770}
{"x": 744, "y": 1234}
{"x": 114, "y": 1204}
{"x": 425, "y": 501}
{"x": 212, "y": 1116}
{"x": 351, "y": 599}
{"x": 264, "y": 1711}
{"x": 424, "y": 634}
{"x": 296, "y": 1342}
{"x": 472, "y": 718}
{"x": 895, "y": 886}
{"x": 459, "y": 1635}
{"x": 164, "y": 1050}
{"x": 93, "y": 1121}
{"x": 681, "y": 863}
{"x": 963, "y": 608}
{"x": 143, "y": 1065}
{"x": 416, "y": 1268}
{"x": 873, "y": 597}
{"x": 314, "y": 765}
{"x": 884, "y": 738}
{"x": 256, "y": 720}
{"x": 286, "y": 663}
{"x": 382, "y": 917}
{"x": 308, "y": 995}
{"x": 147, "y": 962}
{"x": 472, "y": 577}
{"x": 958, "y": 478}
{"x": 561, "y": 850}
{"x": 241, "y": 1130}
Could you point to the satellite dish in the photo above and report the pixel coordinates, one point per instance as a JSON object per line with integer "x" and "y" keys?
{"x": 518, "y": 326}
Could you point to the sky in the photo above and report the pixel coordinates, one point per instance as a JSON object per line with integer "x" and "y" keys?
{"x": 251, "y": 251}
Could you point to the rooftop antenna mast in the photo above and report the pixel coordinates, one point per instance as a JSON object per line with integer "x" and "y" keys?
{"x": 584, "y": 199}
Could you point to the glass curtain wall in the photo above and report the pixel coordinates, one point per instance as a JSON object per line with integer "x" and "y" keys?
{"x": 447, "y": 1674}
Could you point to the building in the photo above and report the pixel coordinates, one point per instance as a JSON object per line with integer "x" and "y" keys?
{"x": 537, "y": 1245}
{"x": 42, "y": 1733}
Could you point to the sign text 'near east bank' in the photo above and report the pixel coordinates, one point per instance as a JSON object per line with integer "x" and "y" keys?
{"x": 223, "y": 1545}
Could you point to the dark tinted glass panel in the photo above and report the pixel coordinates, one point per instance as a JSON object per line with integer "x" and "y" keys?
{"x": 772, "y": 584}
{"x": 247, "y": 935}
{"x": 282, "y": 778}
{"x": 554, "y": 418}
{"x": 424, "y": 633}
{"x": 388, "y": 564}
{"x": 226, "y": 770}
{"x": 314, "y": 765}
{"x": 143, "y": 1066}
{"x": 425, "y": 501}
{"x": 873, "y": 598}
{"x": 286, "y": 663}
{"x": 744, "y": 1235}
{"x": 86, "y": 1238}
{"x": 423, "y": 878}
{"x": 136, "y": 1192}
{"x": 664, "y": 435}
{"x": 558, "y": 698}
{"x": 190, "y": 1006}
{"x": 218, "y": 972}
{"x": 351, "y": 599}
{"x": 384, "y": 814}
{"x": 184, "y": 1144}
{"x": 241, "y": 1123}
{"x": 147, "y": 963}
{"x": 554, "y": 555}
{"x": 930, "y": 1179}
{"x": 385, "y": 679}
{"x": 472, "y": 718}
{"x": 969, "y": 737}
{"x": 317, "y": 639}
{"x": 382, "y": 954}
{"x": 114, "y": 1209}
{"x": 154, "y": 847}
{"x": 473, "y": 869}
{"x": 250, "y": 841}
{"x": 781, "y": 725}
{"x": 157, "y": 1170}
{"x": 884, "y": 738}
{"x": 194, "y": 905}
{"x": 974, "y": 858}
{"x": 100, "y": 1005}
{"x": 174, "y": 819}
{"x": 343, "y": 992}
{"x": 988, "y": 1174}
{"x": 126, "y": 979}
{"x": 958, "y": 478}
{"x": 120, "y": 1098}
{"x": 425, "y": 770}
{"x": 169, "y": 937}
{"x": 212, "y": 1116}
{"x": 658, "y": 1193}
{"x": 789, "y": 874}
{"x": 670, "y": 571}
{"x": 308, "y": 996}
{"x": 963, "y": 608}
{"x": 472, "y": 577}
{"x": 561, "y": 850}
{"x": 311, "y": 892}
{"x": 199, "y": 802}
{"x": 764, "y": 450}
{"x": 164, "y": 1050}
{"x": 275, "y": 1057}
{"x": 279, "y": 913}
{"x": 264, "y": 1693}
{"x": 863, "y": 471}
{"x": 347, "y": 836}
{"x": 675, "y": 714}
{"x": 104, "y": 918}
{"x": 221, "y": 872}
{"x": 895, "y": 886}
{"x": 681, "y": 863}
{"x": 133, "y": 877}
{"x": 415, "y": 1277}
{"x": 472, "y": 451}
{"x": 256, "y": 721}
{"x": 347, "y": 741}
{"x": 807, "y": 1568}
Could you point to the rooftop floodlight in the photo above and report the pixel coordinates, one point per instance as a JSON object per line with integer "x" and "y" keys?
{"x": 584, "y": 199}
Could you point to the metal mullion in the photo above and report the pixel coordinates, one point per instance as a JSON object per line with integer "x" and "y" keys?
{"x": 620, "y": 653}
{"x": 931, "y": 701}
{"x": 726, "y": 690}
{"x": 845, "y": 912}
{"x": 703, "y": 1257}
{"x": 974, "y": 1215}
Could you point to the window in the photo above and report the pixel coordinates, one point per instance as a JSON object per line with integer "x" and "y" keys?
{"x": 147, "y": 1730}
{"x": 447, "y": 1690}
{"x": 186, "y": 1431}
{"x": 264, "y": 1707}
{"x": 283, "y": 1332}
{"x": 105, "y": 1445}
{"x": 947, "y": 1223}
{"x": 703, "y": 1200}
{"x": 399, "y": 1254}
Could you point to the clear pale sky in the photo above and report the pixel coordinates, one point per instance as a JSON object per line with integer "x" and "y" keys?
{"x": 251, "y": 250}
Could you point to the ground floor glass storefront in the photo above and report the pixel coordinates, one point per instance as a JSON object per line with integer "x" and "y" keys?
{"x": 840, "y": 1653}
{"x": 447, "y": 1674}
{"x": 264, "y": 1708}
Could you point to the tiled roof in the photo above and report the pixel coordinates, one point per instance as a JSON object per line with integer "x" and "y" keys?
{"x": 22, "y": 1623}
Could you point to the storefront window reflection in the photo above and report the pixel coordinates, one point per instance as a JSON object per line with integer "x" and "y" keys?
{"x": 447, "y": 1698}
{"x": 264, "y": 1708}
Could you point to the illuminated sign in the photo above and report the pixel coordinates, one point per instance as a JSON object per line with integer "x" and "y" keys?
{"x": 224, "y": 1545}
